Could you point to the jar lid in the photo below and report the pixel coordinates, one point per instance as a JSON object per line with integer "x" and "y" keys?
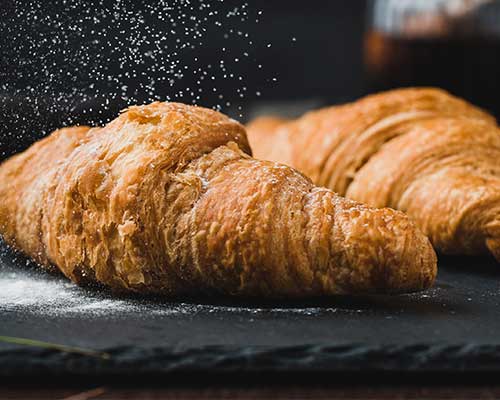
{"x": 436, "y": 18}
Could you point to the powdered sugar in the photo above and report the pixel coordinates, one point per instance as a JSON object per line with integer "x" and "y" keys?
{"x": 31, "y": 291}
{"x": 26, "y": 288}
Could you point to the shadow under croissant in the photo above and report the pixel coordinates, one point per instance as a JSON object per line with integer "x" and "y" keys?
{"x": 478, "y": 265}
{"x": 422, "y": 303}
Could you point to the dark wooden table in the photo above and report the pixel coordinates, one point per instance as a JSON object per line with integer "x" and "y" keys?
{"x": 265, "y": 387}
{"x": 275, "y": 393}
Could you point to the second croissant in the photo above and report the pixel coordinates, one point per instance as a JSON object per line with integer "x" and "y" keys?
{"x": 421, "y": 151}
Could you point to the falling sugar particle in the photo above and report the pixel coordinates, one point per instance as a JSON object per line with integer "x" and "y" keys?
{"x": 85, "y": 55}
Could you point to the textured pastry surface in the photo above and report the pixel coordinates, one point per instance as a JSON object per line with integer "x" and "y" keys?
{"x": 422, "y": 151}
{"x": 167, "y": 200}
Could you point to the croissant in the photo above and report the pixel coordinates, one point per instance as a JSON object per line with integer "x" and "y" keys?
{"x": 166, "y": 200}
{"x": 418, "y": 150}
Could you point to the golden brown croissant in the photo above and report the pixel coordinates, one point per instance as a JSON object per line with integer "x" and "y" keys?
{"x": 421, "y": 151}
{"x": 166, "y": 199}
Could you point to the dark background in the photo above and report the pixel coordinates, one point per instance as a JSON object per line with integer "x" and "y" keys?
{"x": 315, "y": 55}
{"x": 67, "y": 62}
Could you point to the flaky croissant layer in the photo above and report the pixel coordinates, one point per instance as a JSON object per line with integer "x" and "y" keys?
{"x": 166, "y": 200}
{"x": 421, "y": 151}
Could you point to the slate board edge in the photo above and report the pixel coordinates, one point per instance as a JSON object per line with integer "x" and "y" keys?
{"x": 24, "y": 361}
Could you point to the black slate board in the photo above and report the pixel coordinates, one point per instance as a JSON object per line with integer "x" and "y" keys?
{"x": 451, "y": 328}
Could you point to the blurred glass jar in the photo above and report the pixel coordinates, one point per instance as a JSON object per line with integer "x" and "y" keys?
{"x": 453, "y": 44}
